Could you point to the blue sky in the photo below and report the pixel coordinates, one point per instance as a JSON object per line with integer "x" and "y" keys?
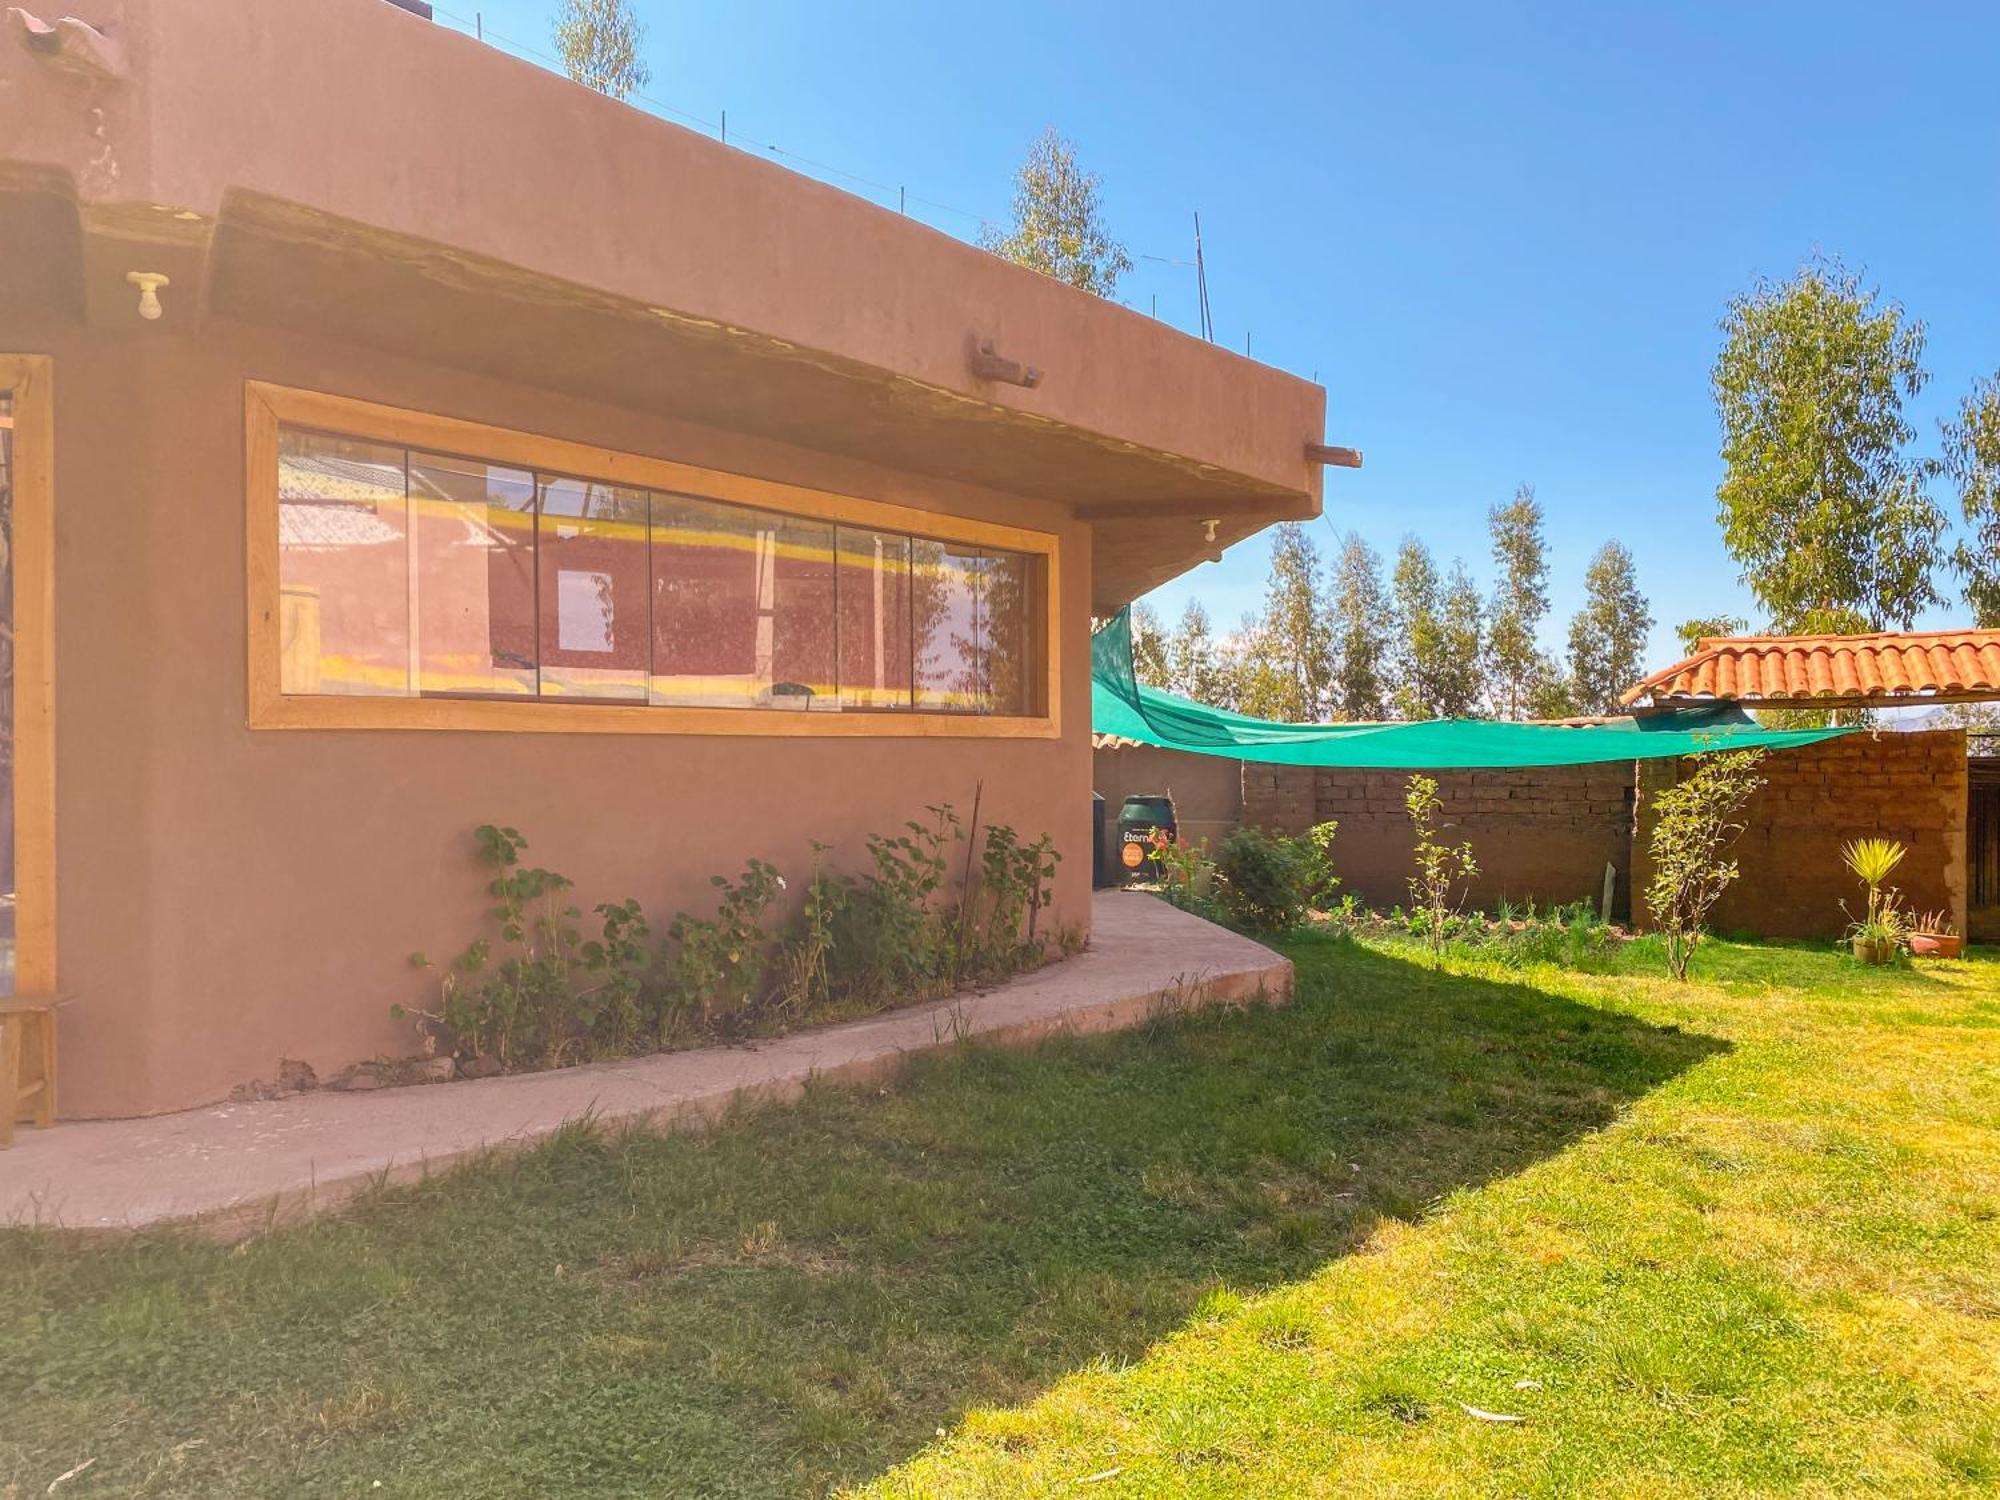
{"x": 1500, "y": 236}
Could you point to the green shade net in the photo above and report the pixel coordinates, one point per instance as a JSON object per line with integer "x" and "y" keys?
{"x": 1120, "y": 705}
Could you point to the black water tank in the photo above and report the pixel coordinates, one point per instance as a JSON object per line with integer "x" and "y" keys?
{"x": 1137, "y": 820}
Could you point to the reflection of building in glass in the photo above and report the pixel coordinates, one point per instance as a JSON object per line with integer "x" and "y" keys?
{"x": 410, "y": 574}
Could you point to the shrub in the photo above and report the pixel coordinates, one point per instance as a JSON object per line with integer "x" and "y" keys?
{"x": 1695, "y": 822}
{"x": 1266, "y": 880}
{"x": 1184, "y": 867}
{"x": 1321, "y": 882}
{"x": 525, "y": 1010}
{"x": 808, "y": 982}
{"x": 1015, "y": 883}
{"x": 612, "y": 1010}
{"x": 538, "y": 994}
{"x": 1442, "y": 870}
{"x": 715, "y": 967}
{"x": 892, "y": 935}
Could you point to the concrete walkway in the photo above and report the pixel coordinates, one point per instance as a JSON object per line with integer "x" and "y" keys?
{"x": 238, "y": 1168}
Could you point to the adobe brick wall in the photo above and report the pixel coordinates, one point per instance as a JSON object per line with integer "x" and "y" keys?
{"x": 1547, "y": 833}
{"x": 1543, "y": 833}
{"x": 1907, "y": 787}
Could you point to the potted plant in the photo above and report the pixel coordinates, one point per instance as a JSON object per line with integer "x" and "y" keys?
{"x": 1879, "y": 932}
{"x": 1934, "y": 936}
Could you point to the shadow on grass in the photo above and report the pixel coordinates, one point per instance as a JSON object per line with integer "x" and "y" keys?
{"x": 802, "y": 1297}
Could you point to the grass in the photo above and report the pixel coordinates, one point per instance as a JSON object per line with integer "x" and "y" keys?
{"x": 1735, "y": 1237}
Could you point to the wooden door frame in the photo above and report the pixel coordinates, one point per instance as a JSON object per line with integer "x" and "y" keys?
{"x": 30, "y": 380}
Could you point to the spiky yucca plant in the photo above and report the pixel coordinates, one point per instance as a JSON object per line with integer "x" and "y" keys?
{"x": 1873, "y": 861}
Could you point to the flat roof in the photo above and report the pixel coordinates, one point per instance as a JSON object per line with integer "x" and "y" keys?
{"x": 350, "y": 169}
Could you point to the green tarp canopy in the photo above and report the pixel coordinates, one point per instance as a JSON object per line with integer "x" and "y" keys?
{"x": 1119, "y": 705}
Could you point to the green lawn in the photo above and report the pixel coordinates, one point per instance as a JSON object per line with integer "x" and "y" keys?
{"x": 1742, "y": 1236}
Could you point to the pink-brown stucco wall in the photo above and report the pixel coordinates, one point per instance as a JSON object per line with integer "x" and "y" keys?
{"x": 230, "y": 897}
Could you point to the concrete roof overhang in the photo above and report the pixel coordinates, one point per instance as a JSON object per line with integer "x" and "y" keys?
{"x": 408, "y": 189}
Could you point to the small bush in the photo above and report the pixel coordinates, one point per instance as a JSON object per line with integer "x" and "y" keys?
{"x": 1266, "y": 880}
{"x": 715, "y": 967}
{"x": 926, "y": 919}
{"x": 1443, "y": 871}
{"x": 526, "y": 1009}
{"x": 1321, "y": 882}
{"x": 1695, "y": 822}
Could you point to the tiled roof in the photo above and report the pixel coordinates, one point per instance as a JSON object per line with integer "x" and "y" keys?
{"x": 1802, "y": 670}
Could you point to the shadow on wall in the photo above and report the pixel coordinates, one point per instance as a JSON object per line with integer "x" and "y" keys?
{"x": 803, "y": 1297}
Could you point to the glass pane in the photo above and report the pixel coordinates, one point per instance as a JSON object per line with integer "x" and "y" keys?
{"x": 594, "y": 622}
{"x": 475, "y": 576}
{"x": 344, "y": 576}
{"x": 945, "y": 585}
{"x": 874, "y": 619}
{"x": 1007, "y": 619}
{"x": 8, "y": 885}
{"x": 743, "y": 607}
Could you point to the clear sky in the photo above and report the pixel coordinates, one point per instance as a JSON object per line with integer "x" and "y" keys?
{"x": 1500, "y": 235}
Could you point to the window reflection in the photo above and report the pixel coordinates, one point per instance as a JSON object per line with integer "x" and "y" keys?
{"x": 1007, "y": 619}
{"x": 475, "y": 576}
{"x": 743, "y": 607}
{"x": 945, "y": 586}
{"x": 419, "y": 573}
{"x": 874, "y": 623}
{"x": 595, "y": 620}
{"x": 344, "y": 574}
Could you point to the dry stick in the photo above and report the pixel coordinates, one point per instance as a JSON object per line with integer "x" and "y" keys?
{"x": 965, "y": 883}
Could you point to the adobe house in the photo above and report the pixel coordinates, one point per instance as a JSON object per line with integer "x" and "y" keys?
{"x": 1551, "y": 833}
{"x": 399, "y": 437}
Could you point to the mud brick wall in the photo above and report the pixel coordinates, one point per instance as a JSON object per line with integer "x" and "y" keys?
{"x": 1907, "y": 787}
{"x": 1546, "y": 834}
{"x": 1543, "y": 834}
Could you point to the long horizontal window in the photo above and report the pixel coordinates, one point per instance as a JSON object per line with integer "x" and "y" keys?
{"x": 405, "y": 573}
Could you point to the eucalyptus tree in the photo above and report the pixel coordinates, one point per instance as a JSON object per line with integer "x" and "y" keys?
{"x": 1820, "y": 504}
{"x": 1058, "y": 220}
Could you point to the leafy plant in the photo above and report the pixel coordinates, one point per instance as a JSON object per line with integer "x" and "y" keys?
{"x": 808, "y": 980}
{"x": 1182, "y": 864}
{"x": 715, "y": 967}
{"x": 612, "y": 1011}
{"x": 1443, "y": 870}
{"x": 523, "y": 1010}
{"x": 1317, "y": 847}
{"x": 536, "y": 993}
{"x": 892, "y": 934}
{"x": 1695, "y": 823}
{"x": 1883, "y": 924}
{"x": 1015, "y": 883}
{"x": 1935, "y": 924}
{"x": 1266, "y": 880}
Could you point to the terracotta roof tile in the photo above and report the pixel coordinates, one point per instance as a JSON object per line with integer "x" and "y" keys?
{"x": 1886, "y": 668}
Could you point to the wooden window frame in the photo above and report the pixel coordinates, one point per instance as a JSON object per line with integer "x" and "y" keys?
{"x": 30, "y": 380}
{"x": 268, "y": 407}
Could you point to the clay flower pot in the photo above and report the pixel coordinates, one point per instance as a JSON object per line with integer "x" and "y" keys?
{"x": 1869, "y": 950}
{"x": 1937, "y": 944}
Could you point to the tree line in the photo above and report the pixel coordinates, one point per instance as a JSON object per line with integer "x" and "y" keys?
{"x": 1344, "y": 640}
